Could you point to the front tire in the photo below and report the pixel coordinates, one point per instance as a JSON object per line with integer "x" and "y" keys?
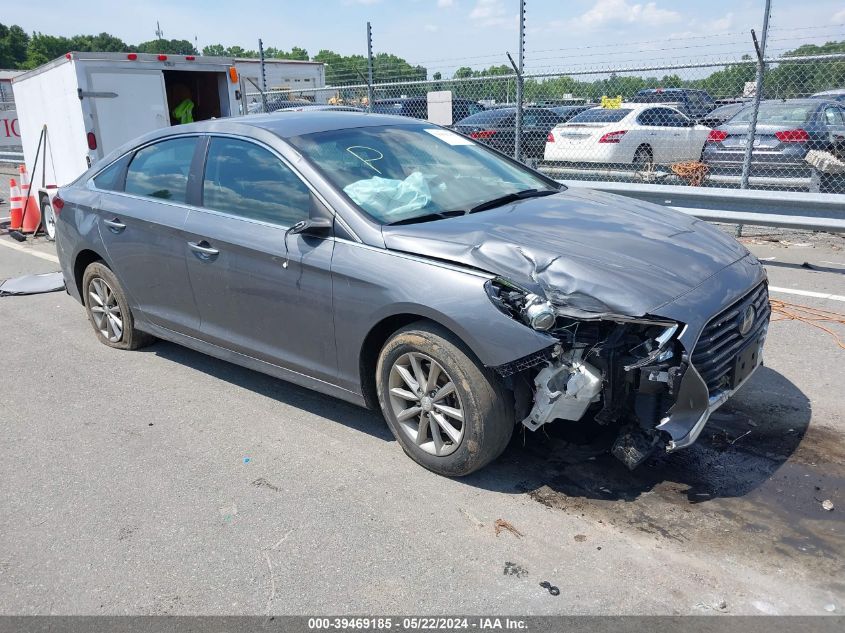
{"x": 447, "y": 411}
{"x": 108, "y": 310}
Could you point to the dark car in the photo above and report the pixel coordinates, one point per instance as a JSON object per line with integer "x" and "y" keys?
{"x": 723, "y": 113}
{"x": 831, "y": 95}
{"x": 417, "y": 107}
{"x": 566, "y": 112}
{"x": 694, "y": 103}
{"x": 786, "y": 131}
{"x": 274, "y": 104}
{"x": 497, "y": 128}
{"x": 399, "y": 265}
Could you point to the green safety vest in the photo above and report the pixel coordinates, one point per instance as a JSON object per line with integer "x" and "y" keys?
{"x": 184, "y": 112}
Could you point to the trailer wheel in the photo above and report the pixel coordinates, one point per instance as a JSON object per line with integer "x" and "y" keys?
{"x": 48, "y": 218}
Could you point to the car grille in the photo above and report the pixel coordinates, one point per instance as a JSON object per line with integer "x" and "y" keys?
{"x": 720, "y": 341}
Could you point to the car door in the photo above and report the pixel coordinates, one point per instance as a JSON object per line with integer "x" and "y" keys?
{"x": 675, "y": 137}
{"x": 647, "y": 131}
{"x": 260, "y": 291}
{"x": 142, "y": 216}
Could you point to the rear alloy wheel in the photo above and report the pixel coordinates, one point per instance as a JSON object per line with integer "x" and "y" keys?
{"x": 108, "y": 310}
{"x": 447, "y": 411}
{"x": 48, "y": 219}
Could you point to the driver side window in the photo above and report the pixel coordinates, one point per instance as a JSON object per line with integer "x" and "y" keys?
{"x": 246, "y": 180}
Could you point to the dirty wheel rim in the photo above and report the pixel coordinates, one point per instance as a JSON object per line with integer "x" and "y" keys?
{"x": 105, "y": 309}
{"x": 425, "y": 404}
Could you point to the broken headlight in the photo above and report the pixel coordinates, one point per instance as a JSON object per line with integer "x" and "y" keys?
{"x": 656, "y": 348}
{"x": 517, "y": 302}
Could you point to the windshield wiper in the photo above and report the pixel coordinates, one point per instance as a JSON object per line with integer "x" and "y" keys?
{"x": 512, "y": 197}
{"x": 428, "y": 217}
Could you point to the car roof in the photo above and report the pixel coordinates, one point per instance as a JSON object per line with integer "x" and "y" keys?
{"x": 658, "y": 90}
{"x": 293, "y": 123}
{"x": 837, "y": 91}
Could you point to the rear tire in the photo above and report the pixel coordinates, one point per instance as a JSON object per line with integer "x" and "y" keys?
{"x": 452, "y": 434}
{"x": 48, "y": 219}
{"x": 644, "y": 158}
{"x": 108, "y": 310}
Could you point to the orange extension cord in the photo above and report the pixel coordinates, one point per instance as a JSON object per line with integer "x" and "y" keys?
{"x": 786, "y": 311}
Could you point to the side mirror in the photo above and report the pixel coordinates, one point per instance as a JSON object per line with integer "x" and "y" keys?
{"x": 312, "y": 226}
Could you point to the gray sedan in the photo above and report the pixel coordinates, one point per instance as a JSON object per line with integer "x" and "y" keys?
{"x": 398, "y": 265}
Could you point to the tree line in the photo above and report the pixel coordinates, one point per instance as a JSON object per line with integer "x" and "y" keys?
{"x": 19, "y": 49}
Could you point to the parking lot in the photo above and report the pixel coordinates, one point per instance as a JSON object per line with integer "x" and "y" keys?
{"x": 167, "y": 482}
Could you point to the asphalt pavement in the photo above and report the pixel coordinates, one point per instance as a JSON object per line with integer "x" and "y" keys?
{"x": 163, "y": 481}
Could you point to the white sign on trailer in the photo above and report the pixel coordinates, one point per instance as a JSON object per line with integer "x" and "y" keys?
{"x": 10, "y": 133}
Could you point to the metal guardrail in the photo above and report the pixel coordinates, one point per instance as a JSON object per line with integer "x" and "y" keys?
{"x": 787, "y": 209}
{"x": 11, "y": 158}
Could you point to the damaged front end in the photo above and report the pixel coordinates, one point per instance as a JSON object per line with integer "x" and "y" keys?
{"x": 632, "y": 375}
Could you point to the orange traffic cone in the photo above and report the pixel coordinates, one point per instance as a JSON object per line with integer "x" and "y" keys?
{"x": 15, "y": 205}
{"x": 32, "y": 213}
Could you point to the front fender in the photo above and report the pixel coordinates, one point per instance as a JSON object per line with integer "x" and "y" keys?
{"x": 372, "y": 284}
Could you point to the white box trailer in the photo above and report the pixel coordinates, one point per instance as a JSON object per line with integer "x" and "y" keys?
{"x": 92, "y": 103}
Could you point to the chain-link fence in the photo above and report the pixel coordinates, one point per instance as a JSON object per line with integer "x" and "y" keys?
{"x": 681, "y": 124}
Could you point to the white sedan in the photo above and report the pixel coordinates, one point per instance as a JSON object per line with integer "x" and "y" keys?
{"x": 635, "y": 133}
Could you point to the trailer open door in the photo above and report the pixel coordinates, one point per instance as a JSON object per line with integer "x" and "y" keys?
{"x": 125, "y": 104}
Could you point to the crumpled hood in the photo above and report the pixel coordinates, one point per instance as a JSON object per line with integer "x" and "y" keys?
{"x": 584, "y": 249}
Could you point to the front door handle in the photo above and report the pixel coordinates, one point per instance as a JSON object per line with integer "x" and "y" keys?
{"x": 203, "y": 249}
{"x": 115, "y": 225}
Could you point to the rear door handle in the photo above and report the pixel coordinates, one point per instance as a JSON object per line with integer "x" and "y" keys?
{"x": 115, "y": 225}
{"x": 203, "y": 249}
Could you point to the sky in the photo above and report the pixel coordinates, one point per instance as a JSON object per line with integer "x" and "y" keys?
{"x": 445, "y": 34}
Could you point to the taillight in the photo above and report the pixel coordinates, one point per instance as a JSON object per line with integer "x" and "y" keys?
{"x": 550, "y": 138}
{"x": 793, "y": 136}
{"x": 92, "y": 141}
{"x": 613, "y": 137}
{"x": 482, "y": 134}
{"x": 58, "y": 204}
{"x": 131, "y": 56}
{"x": 162, "y": 58}
{"x": 189, "y": 58}
{"x": 716, "y": 136}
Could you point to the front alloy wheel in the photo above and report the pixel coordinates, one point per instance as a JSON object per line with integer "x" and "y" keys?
{"x": 425, "y": 403}
{"x": 448, "y": 412}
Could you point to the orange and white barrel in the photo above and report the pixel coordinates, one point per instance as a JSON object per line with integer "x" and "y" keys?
{"x": 15, "y": 205}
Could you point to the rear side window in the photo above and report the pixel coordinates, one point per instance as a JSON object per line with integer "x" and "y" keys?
{"x": 833, "y": 116}
{"x": 111, "y": 178}
{"x": 601, "y": 115}
{"x": 161, "y": 170}
{"x": 249, "y": 181}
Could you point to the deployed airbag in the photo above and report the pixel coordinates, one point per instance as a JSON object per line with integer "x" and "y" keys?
{"x": 388, "y": 197}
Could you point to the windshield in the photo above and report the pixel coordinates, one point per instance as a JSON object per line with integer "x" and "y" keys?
{"x": 400, "y": 172}
{"x": 778, "y": 114}
{"x": 601, "y": 115}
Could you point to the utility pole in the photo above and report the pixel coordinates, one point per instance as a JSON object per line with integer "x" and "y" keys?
{"x": 263, "y": 75}
{"x": 760, "y": 49}
{"x": 159, "y": 32}
{"x": 369, "y": 67}
{"x": 517, "y": 150}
